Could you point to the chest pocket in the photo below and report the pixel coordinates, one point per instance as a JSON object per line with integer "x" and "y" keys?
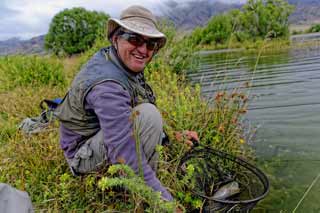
{"x": 143, "y": 94}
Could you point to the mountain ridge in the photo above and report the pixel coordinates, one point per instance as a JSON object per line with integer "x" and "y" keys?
{"x": 12, "y": 46}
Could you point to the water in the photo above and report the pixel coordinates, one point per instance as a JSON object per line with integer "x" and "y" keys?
{"x": 285, "y": 104}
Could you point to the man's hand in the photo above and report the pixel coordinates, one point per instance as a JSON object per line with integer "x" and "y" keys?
{"x": 179, "y": 210}
{"x": 187, "y": 137}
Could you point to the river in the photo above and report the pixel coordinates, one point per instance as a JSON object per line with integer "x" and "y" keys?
{"x": 285, "y": 109}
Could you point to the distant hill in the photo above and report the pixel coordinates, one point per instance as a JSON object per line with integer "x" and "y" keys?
{"x": 194, "y": 13}
{"x": 197, "y": 13}
{"x": 307, "y": 12}
{"x": 34, "y": 45}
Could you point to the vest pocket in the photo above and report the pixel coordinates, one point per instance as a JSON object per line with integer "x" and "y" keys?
{"x": 90, "y": 157}
{"x": 81, "y": 162}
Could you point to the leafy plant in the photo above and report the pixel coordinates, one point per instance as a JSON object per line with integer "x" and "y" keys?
{"x": 218, "y": 30}
{"x": 178, "y": 52}
{"x": 75, "y": 30}
{"x": 266, "y": 18}
{"x": 314, "y": 28}
{"x": 258, "y": 19}
{"x": 139, "y": 191}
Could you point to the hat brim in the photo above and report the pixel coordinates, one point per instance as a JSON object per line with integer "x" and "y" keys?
{"x": 136, "y": 27}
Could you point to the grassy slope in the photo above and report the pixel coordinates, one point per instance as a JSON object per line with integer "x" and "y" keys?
{"x": 36, "y": 163}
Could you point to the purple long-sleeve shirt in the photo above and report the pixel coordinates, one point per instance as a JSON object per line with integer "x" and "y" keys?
{"x": 111, "y": 103}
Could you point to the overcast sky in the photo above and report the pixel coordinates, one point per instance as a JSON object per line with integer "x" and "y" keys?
{"x": 28, "y": 18}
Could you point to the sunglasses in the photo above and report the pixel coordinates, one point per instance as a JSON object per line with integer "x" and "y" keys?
{"x": 138, "y": 40}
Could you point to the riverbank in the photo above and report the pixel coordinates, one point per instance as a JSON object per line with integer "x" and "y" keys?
{"x": 35, "y": 163}
{"x": 297, "y": 42}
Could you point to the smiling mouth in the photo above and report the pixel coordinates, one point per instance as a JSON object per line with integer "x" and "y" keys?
{"x": 140, "y": 57}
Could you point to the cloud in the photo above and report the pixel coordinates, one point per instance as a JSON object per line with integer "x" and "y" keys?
{"x": 25, "y": 18}
{"x": 5, "y": 12}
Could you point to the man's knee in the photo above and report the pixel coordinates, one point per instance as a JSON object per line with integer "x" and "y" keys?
{"x": 149, "y": 124}
{"x": 148, "y": 116}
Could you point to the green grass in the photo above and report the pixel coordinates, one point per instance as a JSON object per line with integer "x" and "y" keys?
{"x": 21, "y": 71}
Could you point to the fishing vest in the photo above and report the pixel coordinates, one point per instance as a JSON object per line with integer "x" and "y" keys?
{"x": 103, "y": 66}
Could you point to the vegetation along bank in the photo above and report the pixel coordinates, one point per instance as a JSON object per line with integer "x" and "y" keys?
{"x": 35, "y": 163}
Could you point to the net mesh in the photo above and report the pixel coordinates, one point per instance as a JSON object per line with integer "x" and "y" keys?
{"x": 225, "y": 182}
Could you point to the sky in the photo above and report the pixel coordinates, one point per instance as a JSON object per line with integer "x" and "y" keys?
{"x": 25, "y": 19}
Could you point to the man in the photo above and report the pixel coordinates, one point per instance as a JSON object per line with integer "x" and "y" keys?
{"x": 97, "y": 126}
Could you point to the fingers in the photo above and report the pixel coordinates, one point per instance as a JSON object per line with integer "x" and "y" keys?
{"x": 179, "y": 136}
{"x": 187, "y": 137}
{"x": 179, "y": 210}
{"x": 191, "y": 135}
{"x": 188, "y": 143}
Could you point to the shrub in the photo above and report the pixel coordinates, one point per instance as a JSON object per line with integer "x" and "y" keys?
{"x": 75, "y": 30}
{"x": 258, "y": 19}
{"x": 218, "y": 30}
{"x": 179, "y": 52}
{"x": 314, "y": 28}
{"x": 266, "y": 18}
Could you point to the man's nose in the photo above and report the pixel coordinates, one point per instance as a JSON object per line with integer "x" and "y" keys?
{"x": 143, "y": 48}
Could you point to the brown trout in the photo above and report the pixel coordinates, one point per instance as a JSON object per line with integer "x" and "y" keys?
{"x": 227, "y": 190}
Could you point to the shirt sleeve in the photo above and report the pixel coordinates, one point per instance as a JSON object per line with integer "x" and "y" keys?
{"x": 112, "y": 104}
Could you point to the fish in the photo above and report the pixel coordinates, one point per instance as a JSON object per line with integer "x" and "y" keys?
{"x": 227, "y": 190}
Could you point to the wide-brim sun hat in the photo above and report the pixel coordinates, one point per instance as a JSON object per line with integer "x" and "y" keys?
{"x": 139, "y": 20}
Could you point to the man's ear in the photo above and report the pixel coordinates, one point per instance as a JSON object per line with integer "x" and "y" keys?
{"x": 114, "y": 41}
